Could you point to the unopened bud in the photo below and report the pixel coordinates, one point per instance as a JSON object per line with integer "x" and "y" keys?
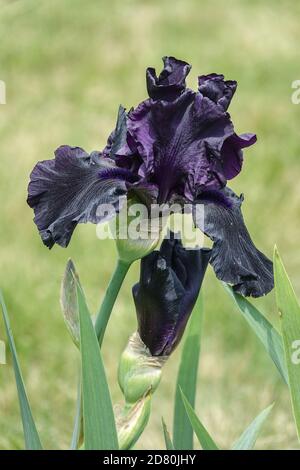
{"x": 139, "y": 371}
{"x": 69, "y": 302}
{"x": 135, "y": 234}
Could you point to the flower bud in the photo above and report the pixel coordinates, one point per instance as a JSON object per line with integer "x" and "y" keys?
{"x": 139, "y": 375}
{"x": 139, "y": 371}
{"x": 135, "y": 234}
{"x": 169, "y": 285}
{"x": 69, "y": 301}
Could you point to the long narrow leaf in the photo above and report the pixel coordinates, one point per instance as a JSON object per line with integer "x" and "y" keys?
{"x": 289, "y": 312}
{"x": 264, "y": 330}
{"x": 78, "y": 418}
{"x": 248, "y": 438}
{"x": 168, "y": 441}
{"x": 187, "y": 379}
{"x": 204, "y": 438}
{"x": 98, "y": 417}
{"x": 32, "y": 440}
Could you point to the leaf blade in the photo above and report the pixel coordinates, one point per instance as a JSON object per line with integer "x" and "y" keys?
{"x": 289, "y": 312}
{"x": 187, "y": 379}
{"x": 98, "y": 417}
{"x": 204, "y": 438}
{"x": 32, "y": 440}
{"x": 248, "y": 438}
{"x": 167, "y": 437}
{"x": 264, "y": 330}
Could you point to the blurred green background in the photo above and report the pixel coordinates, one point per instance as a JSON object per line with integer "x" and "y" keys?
{"x": 67, "y": 65}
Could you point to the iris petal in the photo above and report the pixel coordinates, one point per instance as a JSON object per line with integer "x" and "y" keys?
{"x": 68, "y": 190}
{"x": 214, "y": 87}
{"x": 180, "y": 143}
{"x": 234, "y": 256}
{"x": 232, "y": 154}
{"x": 171, "y": 81}
{"x": 117, "y": 138}
{"x": 183, "y": 141}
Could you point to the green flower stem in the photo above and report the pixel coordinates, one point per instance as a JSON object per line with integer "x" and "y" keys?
{"x": 110, "y": 298}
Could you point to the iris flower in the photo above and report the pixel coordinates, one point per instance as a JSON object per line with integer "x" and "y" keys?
{"x": 169, "y": 285}
{"x": 177, "y": 146}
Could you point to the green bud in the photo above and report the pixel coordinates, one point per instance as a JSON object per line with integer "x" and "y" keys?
{"x": 132, "y": 420}
{"x": 139, "y": 371}
{"x": 69, "y": 301}
{"x": 135, "y": 234}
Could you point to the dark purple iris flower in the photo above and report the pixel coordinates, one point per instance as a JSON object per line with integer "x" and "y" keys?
{"x": 177, "y": 146}
{"x": 164, "y": 298}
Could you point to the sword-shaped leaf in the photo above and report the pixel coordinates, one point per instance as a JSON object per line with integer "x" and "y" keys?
{"x": 289, "y": 312}
{"x": 32, "y": 440}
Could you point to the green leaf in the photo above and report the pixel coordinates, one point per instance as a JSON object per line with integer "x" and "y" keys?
{"x": 98, "y": 417}
{"x": 77, "y": 428}
{"x": 168, "y": 441}
{"x": 187, "y": 379}
{"x": 205, "y": 440}
{"x": 264, "y": 330}
{"x": 289, "y": 312}
{"x": 248, "y": 439}
{"x": 32, "y": 440}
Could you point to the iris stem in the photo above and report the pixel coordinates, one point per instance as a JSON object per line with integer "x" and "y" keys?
{"x": 110, "y": 298}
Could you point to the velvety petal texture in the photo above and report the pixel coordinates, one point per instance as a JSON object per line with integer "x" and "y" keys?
{"x": 68, "y": 190}
{"x": 118, "y": 137}
{"x": 214, "y": 87}
{"x": 234, "y": 256}
{"x": 180, "y": 140}
{"x": 169, "y": 285}
{"x": 178, "y": 145}
{"x": 171, "y": 81}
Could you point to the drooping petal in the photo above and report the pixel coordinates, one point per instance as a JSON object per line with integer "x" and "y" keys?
{"x": 171, "y": 81}
{"x": 169, "y": 284}
{"x": 214, "y": 87}
{"x": 234, "y": 256}
{"x": 67, "y": 190}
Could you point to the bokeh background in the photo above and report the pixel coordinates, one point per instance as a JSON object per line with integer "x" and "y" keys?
{"x": 67, "y": 65}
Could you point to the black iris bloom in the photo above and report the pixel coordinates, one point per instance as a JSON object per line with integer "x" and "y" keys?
{"x": 177, "y": 146}
{"x": 166, "y": 293}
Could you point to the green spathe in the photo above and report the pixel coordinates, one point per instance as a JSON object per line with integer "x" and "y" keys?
{"x": 131, "y": 420}
{"x": 138, "y": 371}
{"x": 139, "y": 375}
{"x": 135, "y": 234}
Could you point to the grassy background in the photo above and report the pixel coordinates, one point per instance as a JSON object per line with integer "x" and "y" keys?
{"x": 67, "y": 65}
